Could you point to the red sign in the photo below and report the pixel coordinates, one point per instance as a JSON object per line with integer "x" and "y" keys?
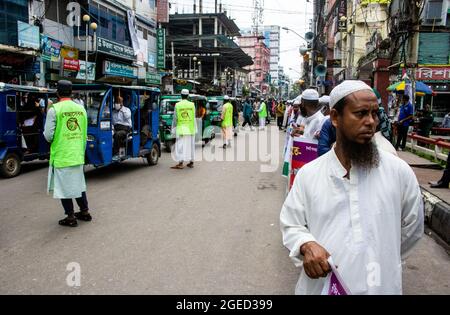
{"x": 71, "y": 65}
{"x": 433, "y": 74}
{"x": 163, "y": 11}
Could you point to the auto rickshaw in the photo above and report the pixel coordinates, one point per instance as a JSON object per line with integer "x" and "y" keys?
{"x": 22, "y": 117}
{"x": 142, "y": 139}
{"x": 167, "y": 110}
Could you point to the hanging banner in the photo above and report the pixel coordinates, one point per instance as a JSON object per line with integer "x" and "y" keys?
{"x": 28, "y": 36}
{"x": 109, "y": 47}
{"x": 51, "y": 48}
{"x": 71, "y": 64}
{"x": 119, "y": 69}
{"x": 81, "y": 75}
{"x": 161, "y": 48}
{"x": 142, "y": 56}
{"x": 133, "y": 31}
{"x": 69, "y": 53}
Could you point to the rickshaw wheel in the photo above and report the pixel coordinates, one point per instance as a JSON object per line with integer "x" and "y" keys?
{"x": 11, "y": 166}
{"x": 153, "y": 156}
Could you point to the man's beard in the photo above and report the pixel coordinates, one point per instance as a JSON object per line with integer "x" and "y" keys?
{"x": 364, "y": 156}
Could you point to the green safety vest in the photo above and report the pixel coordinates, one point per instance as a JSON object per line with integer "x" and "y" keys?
{"x": 263, "y": 113}
{"x": 69, "y": 141}
{"x": 228, "y": 117}
{"x": 185, "y": 112}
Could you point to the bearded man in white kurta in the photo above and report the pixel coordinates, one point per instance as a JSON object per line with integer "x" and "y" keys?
{"x": 359, "y": 205}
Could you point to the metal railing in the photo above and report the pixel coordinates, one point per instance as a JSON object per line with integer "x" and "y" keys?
{"x": 437, "y": 150}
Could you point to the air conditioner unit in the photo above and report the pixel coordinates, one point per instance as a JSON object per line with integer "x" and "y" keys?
{"x": 433, "y": 13}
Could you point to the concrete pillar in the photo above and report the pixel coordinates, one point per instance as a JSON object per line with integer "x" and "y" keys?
{"x": 381, "y": 79}
{"x": 200, "y": 31}
{"x": 216, "y": 28}
{"x": 215, "y": 68}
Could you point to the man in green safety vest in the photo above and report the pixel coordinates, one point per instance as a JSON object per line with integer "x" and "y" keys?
{"x": 227, "y": 122}
{"x": 66, "y": 129}
{"x": 184, "y": 124}
{"x": 262, "y": 114}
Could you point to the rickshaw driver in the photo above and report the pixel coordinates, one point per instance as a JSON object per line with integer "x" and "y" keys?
{"x": 121, "y": 119}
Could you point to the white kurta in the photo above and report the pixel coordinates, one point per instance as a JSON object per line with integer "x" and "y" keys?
{"x": 368, "y": 223}
{"x": 184, "y": 145}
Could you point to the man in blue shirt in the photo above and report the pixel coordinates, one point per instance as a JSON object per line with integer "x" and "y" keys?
{"x": 405, "y": 120}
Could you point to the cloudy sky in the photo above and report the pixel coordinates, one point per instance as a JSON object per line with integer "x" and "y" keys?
{"x": 288, "y": 13}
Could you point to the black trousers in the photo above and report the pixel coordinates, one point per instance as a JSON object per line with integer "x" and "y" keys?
{"x": 82, "y": 204}
{"x": 402, "y": 136}
{"x": 247, "y": 122}
{"x": 280, "y": 122}
{"x": 119, "y": 140}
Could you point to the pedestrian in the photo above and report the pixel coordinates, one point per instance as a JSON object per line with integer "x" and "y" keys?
{"x": 293, "y": 120}
{"x": 313, "y": 118}
{"x": 279, "y": 110}
{"x": 262, "y": 114}
{"x": 184, "y": 126}
{"x": 445, "y": 179}
{"x": 405, "y": 119}
{"x": 446, "y": 121}
{"x": 247, "y": 112}
{"x": 66, "y": 130}
{"x": 227, "y": 122}
{"x": 357, "y": 204}
{"x": 426, "y": 121}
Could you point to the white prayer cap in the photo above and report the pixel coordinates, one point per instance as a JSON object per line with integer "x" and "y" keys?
{"x": 184, "y": 92}
{"x": 345, "y": 89}
{"x": 310, "y": 95}
{"x": 298, "y": 100}
{"x": 226, "y": 98}
{"x": 324, "y": 100}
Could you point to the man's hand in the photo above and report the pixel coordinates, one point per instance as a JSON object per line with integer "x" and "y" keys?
{"x": 315, "y": 260}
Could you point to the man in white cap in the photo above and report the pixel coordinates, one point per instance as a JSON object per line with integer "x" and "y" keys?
{"x": 359, "y": 205}
{"x": 184, "y": 124}
{"x": 311, "y": 116}
{"x": 227, "y": 122}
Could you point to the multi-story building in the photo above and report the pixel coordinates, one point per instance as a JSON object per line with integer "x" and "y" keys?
{"x": 118, "y": 47}
{"x": 254, "y": 46}
{"x": 272, "y": 40}
{"x": 205, "y": 56}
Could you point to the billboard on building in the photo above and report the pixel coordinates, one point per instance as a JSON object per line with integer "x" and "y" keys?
{"x": 51, "y": 48}
{"x": 28, "y": 36}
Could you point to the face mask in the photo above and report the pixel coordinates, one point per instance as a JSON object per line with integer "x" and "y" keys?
{"x": 117, "y": 106}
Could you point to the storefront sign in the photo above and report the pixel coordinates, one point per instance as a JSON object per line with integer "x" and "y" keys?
{"x": 91, "y": 71}
{"x": 28, "y": 35}
{"x": 161, "y": 48}
{"x": 51, "y": 48}
{"x": 71, "y": 65}
{"x": 433, "y": 74}
{"x": 153, "y": 78}
{"x": 69, "y": 52}
{"x": 119, "y": 69}
{"x": 114, "y": 49}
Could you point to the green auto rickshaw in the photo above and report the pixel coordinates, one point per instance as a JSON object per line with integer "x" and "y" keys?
{"x": 167, "y": 110}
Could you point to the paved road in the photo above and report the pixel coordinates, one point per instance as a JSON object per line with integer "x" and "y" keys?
{"x": 210, "y": 230}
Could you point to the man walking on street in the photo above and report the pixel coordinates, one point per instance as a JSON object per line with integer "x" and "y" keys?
{"x": 247, "y": 112}
{"x": 262, "y": 114}
{"x": 184, "y": 125}
{"x": 371, "y": 216}
{"x": 405, "y": 120}
{"x": 227, "y": 122}
{"x": 66, "y": 130}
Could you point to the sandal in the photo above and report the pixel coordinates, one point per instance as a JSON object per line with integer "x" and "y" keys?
{"x": 190, "y": 165}
{"x": 83, "y": 216}
{"x": 68, "y": 222}
{"x": 177, "y": 167}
